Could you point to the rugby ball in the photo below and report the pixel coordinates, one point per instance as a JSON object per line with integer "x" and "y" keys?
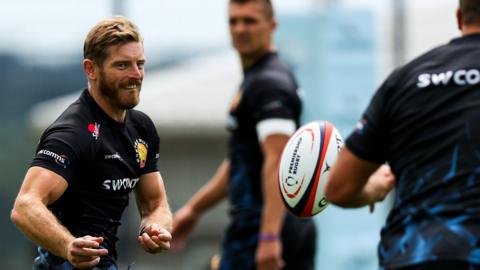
{"x": 304, "y": 166}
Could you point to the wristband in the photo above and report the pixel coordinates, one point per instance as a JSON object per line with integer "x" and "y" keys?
{"x": 268, "y": 237}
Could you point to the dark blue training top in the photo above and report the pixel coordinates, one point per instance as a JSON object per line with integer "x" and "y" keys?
{"x": 102, "y": 161}
{"x": 268, "y": 91}
{"x": 425, "y": 122}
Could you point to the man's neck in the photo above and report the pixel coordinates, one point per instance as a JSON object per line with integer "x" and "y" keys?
{"x": 470, "y": 29}
{"x": 249, "y": 60}
{"x": 104, "y": 103}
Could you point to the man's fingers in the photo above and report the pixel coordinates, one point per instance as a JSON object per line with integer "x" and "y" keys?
{"x": 96, "y": 239}
{"x": 163, "y": 236}
{"x": 88, "y": 247}
{"x": 147, "y": 243}
{"x": 94, "y": 252}
{"x": 87, "y": 242}
{"x": 163, "y": 243}
{"x": 89, "y": 252}
{"x": 85, "y": 252}
{"x": 163, "y": 239}
{"x": 155, "y": 243}
{"x": 155, "y": 238}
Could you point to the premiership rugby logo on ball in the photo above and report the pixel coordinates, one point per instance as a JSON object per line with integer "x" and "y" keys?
{"x": 304, "y": 166}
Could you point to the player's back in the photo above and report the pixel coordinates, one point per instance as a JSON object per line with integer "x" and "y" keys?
{"x": 432, "y": 109}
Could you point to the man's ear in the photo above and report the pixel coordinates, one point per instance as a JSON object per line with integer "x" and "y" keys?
{"x": 459, "y": 19}
{"x": 274, "y": 25}
{"x": 89, "y": 68}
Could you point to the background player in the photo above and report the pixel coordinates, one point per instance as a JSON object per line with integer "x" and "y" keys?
{"x": 263, "y": 114}
{"x": 424, "y": 121}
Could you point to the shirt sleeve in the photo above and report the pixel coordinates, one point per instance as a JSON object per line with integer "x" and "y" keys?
{"x": 269, "y": 127}
{"x": 56, "y": 153}
{"x": 153, "y": 149}
{"x": 270, "y": 101}
{"x": 369, "y": 139}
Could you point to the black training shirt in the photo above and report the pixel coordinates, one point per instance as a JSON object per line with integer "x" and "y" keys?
{"x": 102, "y": 161}
{"x": 424, "y": 120}
{"x": 268, "y": 91}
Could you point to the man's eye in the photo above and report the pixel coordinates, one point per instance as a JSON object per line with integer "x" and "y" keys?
{"x": 250, "y": 21}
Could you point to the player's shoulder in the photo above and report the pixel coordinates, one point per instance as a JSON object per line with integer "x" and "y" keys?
{"x": 273, "y": 78}
{"x": 139, "y": 117}
{"x": 443, "y": 55}
{"x": 426, "y": 57}
{"x": 274, "y": 71}
{"x": 142, "y": 124}
{"x": 75, "y": 124}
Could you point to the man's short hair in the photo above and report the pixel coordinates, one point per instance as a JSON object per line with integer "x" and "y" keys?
{"x": 470, "y": 11}
{"x": 109, "y": 32}
{"x": 267, "y": 4}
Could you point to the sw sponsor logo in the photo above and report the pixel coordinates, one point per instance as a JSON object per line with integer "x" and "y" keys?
{"x": 61, "y": 160}
{"x": 120, "y": 184}
{"x": 458, "y": 77}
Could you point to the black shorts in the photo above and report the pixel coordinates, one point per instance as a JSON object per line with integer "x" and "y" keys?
{"x": 298, "y": 240}
{"x": 442, "y": 265}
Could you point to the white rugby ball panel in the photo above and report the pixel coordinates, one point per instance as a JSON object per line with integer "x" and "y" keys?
{"x": 297, "y": 172}
{"x": 304, "y": 165}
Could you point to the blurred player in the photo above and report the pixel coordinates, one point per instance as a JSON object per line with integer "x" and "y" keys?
{"x": 90, "y": 159}
{"x": 263, "y": 115}
{"x": 424, "y": 120}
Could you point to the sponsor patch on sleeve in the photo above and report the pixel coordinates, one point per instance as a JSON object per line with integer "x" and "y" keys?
{"x": 59, "y": 159}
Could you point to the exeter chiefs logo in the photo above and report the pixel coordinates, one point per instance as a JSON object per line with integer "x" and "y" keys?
{"x": 141, "y": 150}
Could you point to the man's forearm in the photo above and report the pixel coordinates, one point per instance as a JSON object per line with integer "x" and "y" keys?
{"x": 36, "y": 221}
{"x": 273, "y": 208}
